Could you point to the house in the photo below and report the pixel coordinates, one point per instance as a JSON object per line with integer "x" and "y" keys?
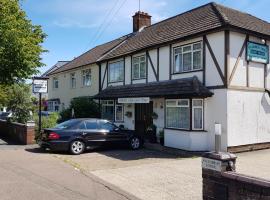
{"x": 185, "y": 74}
{"x": 77, "y": 78}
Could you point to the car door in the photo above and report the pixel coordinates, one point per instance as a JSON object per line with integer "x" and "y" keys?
{"x": 91, "y": 133}
{"x": 111, "y": 131}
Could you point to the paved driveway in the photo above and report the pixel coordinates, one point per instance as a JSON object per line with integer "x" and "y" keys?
{"x": 153, "y": 175}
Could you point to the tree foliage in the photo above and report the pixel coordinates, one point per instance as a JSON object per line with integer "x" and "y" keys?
{"x": 19, "y": 102}
{"x": 83, "y": 108}
{"x": 20, "y": 43}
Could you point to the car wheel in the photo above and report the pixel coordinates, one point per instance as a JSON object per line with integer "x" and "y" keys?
{"x": 135, "y": 143}
{"x": 77, "y": 147}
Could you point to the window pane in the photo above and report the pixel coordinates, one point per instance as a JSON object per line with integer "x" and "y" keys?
{"x": 107, "y": 112}
{"x": 183, "y": 102}
{"x": 184, "y": 117}
{"x": 136, "y": 71}
{"x": 142, "y": 70}
{"x": 197, "y": 60}
{"x": 187, "y": 48}
{"x": 187, "y": 62}
{"x": 171, "y": 103}
{"x": 197, "y": 46}
{"x": 178, "y": 51}
{"x": 136, "y": 60}
{"x": 91, "y": 125}
{"x": 197, "y": 102}
{"x": 119, "y": 113}
{"x": 173, "y": 117}
{"x": 107, "y": 126}
{"x": 116, "y": 71}
{"x": 197, "y": 112}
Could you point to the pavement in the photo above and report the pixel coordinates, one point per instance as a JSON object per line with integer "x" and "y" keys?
{"x": 115, "y": 174}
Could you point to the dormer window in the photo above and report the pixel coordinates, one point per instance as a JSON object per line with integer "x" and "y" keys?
{"x": 188, "y": 58}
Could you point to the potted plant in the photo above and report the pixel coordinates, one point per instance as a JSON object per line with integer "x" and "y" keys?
{"x": 151, "y": 133}
{"x": 128, "y": 114}
{"x": 154, "y": 115}
{"x": 161, "y": 137}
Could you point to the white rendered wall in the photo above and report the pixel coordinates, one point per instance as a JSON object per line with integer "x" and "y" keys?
{"x": 164, "y": 63}
{"x": 248, "y": 117}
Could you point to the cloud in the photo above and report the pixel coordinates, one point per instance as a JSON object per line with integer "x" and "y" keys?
{"x": 69, "y": 23}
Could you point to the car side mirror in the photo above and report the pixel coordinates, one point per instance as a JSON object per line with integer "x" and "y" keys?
{"x": 117, "y": 129}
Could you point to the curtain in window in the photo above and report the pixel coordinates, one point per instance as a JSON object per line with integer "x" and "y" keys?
{"x": 198, "y": 118}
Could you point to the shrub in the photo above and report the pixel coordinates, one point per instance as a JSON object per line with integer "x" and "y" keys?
{"x": 84, "y": 107}
{"x": 49, "y": 121}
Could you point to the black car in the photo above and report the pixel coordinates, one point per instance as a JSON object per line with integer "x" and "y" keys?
{"x": 76, "y": 135}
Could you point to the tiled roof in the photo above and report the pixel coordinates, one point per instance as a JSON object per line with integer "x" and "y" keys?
{"x": 55, "y": 67}
{"x": 187, "y": 87}
{"x": 201, "y": 19}
{"x": 90, "y": 56}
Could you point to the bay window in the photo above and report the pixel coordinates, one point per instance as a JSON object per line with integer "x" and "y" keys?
{"x": 139, "y": 67}
{"x": 188, "y": 58}
{"x": 116, "y": 71}
{"x": 178, "y": 113}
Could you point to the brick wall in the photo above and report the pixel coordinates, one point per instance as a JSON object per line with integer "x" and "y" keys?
{"x": 227, "y": 184}
{"x": 17, "y": 133}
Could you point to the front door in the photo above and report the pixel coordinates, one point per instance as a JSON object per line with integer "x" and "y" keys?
{"x": 143, "y": 117}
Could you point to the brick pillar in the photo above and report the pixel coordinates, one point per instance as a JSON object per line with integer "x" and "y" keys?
{"x": 215, "y": 186}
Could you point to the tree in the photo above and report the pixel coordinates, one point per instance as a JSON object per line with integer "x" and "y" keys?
{"x": 20, "y": 102}
{"x": 3, "y": 95}
{"x": 20, "y": 43}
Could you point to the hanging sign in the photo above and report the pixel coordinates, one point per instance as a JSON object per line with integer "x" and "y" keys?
{"x": 134, "y": 100}
{"x": 40, "y": 85}
{"x": 257, "y": 52}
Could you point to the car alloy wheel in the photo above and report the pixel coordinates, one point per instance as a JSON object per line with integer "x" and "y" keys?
{"x": 77, "y": 147}
{"x": 135, "y": 143}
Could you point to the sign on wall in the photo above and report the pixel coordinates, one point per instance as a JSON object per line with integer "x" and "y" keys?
{"x": 134, "y": 100}
{"x": 40, "y": 85}
{"x": 257, "y": 52}
{"x": 211, "y": 164}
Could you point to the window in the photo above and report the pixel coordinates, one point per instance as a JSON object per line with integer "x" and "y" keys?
{"x": 119, "y": 113}
{"x": 72, "y": 80}
{"x": 178, "y": 114}
{"x": 91, "y": 125}
{"x": 188, "y": 58}
{"x": 86, "y": 77}
{"x": 116, "y": 71}
{"x": 53, "y": 106}
{"x": 139, "y": 67}
{"x": 197, "y": 113}
{"x": 107, "y": 110}
{"x": 55, "y": 83}
{"x": 104, "y": 125}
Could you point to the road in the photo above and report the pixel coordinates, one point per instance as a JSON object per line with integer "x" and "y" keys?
{"x": 29, "y": 174}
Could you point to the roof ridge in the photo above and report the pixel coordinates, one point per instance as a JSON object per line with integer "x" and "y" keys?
{"x": 223, "y": 18}
{"x": 191, "y": 10}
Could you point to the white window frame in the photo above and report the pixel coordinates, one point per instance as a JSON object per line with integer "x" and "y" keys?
{"x": 122, "y": 115}
{"x": 73, "y": 77}
{"x": 192, "y": 51}
{"x": 140, "y": 66}
{"x": 193, "y": 116}
{"x": 55, "y": 80}
{"x": 84, "y": 74}
{"x": 177, "y": 101}
{"x": 110, "y": 71}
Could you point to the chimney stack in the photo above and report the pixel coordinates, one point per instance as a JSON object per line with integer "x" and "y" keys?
{"x": 140, "y": 19}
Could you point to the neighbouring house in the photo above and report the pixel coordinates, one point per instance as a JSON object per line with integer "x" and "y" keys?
{"x": 184, "y": 74}
{"x": 77, "y": 78}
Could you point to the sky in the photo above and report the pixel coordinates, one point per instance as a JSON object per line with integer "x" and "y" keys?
{"x": 75, "y": 26}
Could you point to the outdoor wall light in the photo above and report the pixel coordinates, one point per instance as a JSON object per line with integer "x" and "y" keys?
{"x": 263, "y": 41}
{"x": 161, "y": 105}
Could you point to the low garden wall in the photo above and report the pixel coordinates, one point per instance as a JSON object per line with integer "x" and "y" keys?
{"x": 221, "y": 182}
{"x": 17, "y": 133}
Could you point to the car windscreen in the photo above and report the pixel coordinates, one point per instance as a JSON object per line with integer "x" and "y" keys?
{"x": 67, "y": 124}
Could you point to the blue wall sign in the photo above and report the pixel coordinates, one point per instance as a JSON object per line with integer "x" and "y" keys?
{"x": 257, "y": 52}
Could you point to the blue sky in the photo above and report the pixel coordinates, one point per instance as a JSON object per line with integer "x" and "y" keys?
{"x": 75, "y": 26}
